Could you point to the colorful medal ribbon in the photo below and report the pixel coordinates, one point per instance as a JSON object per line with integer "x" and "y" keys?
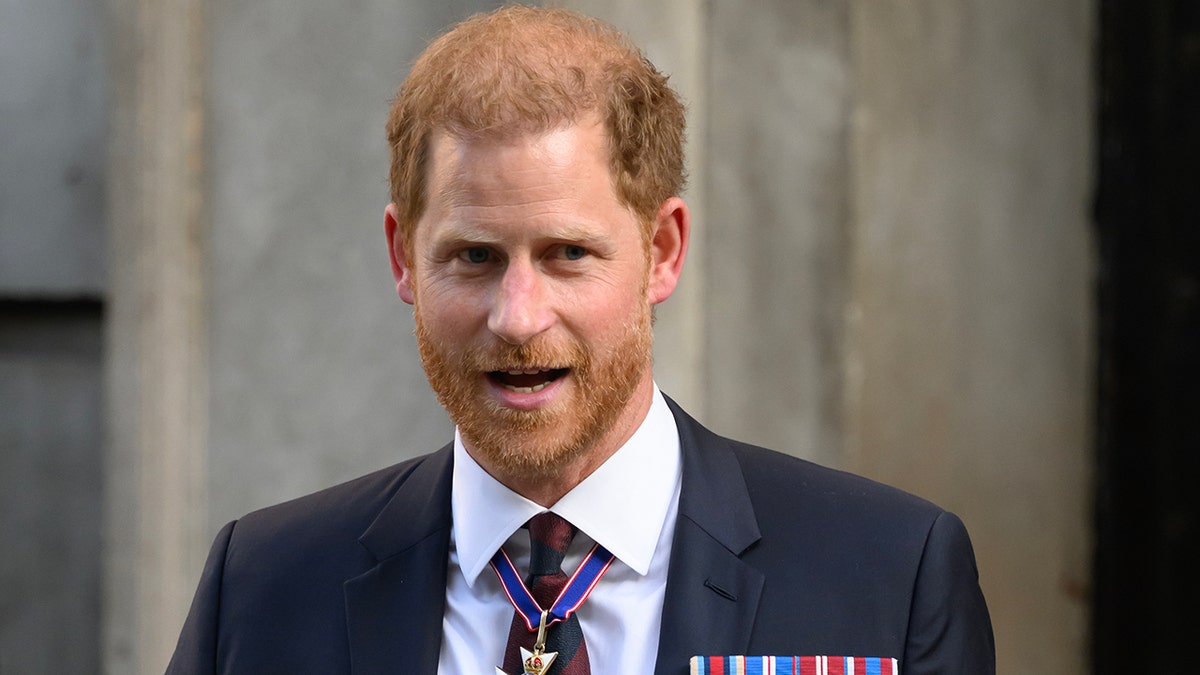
{"x": 578, "y": 587}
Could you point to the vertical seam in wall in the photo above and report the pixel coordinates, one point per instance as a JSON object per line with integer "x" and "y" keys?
{"x": 850, "y": 356}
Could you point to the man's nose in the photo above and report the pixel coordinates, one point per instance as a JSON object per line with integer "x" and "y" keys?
{"x": 520, "y": 309}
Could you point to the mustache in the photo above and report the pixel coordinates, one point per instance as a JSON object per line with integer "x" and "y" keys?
{"x": 535, "y": 354}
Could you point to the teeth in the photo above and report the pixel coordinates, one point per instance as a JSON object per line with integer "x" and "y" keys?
{"x": 524, "y": 372}
{"x": 526, "y": 390}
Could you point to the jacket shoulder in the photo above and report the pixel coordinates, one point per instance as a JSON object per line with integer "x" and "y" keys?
{"x": 781, "y": 483}
{"x": 348, "y": 507}
{"x": 319, "y": 534}
{"x": 787, "y": 491}
{"x": 859, "y": 567}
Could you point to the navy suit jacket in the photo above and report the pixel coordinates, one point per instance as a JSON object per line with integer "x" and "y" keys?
{"x": 772, "y": 555}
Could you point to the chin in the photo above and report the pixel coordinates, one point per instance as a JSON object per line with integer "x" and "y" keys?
{"x": 524, "y": 450}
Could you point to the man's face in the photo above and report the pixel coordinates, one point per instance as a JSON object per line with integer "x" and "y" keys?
{"x": 529, "y": 282}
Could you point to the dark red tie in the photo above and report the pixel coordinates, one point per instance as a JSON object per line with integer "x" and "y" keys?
{"x": 549, "y": 537}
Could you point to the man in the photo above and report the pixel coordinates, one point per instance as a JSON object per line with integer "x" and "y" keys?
{"x": 534, "y": 224}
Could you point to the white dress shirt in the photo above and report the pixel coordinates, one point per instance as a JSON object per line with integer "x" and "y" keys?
{"x": 628, "y": 505}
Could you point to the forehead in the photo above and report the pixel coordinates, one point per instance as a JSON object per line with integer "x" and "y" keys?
{"x": 567, "y": 159}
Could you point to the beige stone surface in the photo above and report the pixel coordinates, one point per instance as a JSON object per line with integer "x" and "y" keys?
{"x": 156, "y": 530}
{"x": 969, "y": 355}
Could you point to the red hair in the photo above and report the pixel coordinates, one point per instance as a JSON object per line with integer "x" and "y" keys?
{"x": 522, "y": 70}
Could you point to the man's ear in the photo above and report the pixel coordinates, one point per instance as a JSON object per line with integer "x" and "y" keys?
{"x": 668, "y": 248}
{"x": 401, "y": 271}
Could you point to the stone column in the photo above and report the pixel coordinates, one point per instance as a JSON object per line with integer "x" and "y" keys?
{"x": 156, "y": 526}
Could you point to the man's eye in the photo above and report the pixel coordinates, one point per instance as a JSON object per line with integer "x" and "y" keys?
{"x": 475, "y": 255}
{"x": 572, "y": 252}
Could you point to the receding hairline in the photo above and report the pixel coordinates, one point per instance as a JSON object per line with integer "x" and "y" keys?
{"x": 443, "y": 144}
{"x": 521, "y": 70}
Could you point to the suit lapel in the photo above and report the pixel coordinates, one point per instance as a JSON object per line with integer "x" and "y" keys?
{"x": 712, "y": 596}
{"x": 394, "y": 610}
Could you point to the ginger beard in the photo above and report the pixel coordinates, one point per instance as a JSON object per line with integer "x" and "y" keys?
{"x": 537, "y": 443}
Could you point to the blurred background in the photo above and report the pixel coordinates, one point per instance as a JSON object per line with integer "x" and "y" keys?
{"x": 948, "y": 244}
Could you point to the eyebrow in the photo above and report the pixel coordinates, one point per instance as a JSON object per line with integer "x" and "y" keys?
{"x": 570, "y": 232}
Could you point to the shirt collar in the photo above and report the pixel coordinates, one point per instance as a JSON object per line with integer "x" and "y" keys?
{"x": 622, "y": 505}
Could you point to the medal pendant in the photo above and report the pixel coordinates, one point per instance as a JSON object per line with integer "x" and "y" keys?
{"x": 534, "y": 663}
{"x": 537, "y": 662}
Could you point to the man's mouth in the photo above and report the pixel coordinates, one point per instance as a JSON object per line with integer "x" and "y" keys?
{"x": 526, "y": 381}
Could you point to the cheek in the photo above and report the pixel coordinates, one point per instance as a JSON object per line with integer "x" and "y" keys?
{"x": 447, "y": 310}
{"x": 602, "y": 315}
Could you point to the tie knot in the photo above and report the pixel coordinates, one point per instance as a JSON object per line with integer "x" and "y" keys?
{"x": 551, "y": 532}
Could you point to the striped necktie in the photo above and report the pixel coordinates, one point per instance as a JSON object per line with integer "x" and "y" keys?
{"x": 549, "y": 537}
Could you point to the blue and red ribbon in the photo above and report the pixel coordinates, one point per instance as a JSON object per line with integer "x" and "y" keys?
{"x": 578, "y": 587}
